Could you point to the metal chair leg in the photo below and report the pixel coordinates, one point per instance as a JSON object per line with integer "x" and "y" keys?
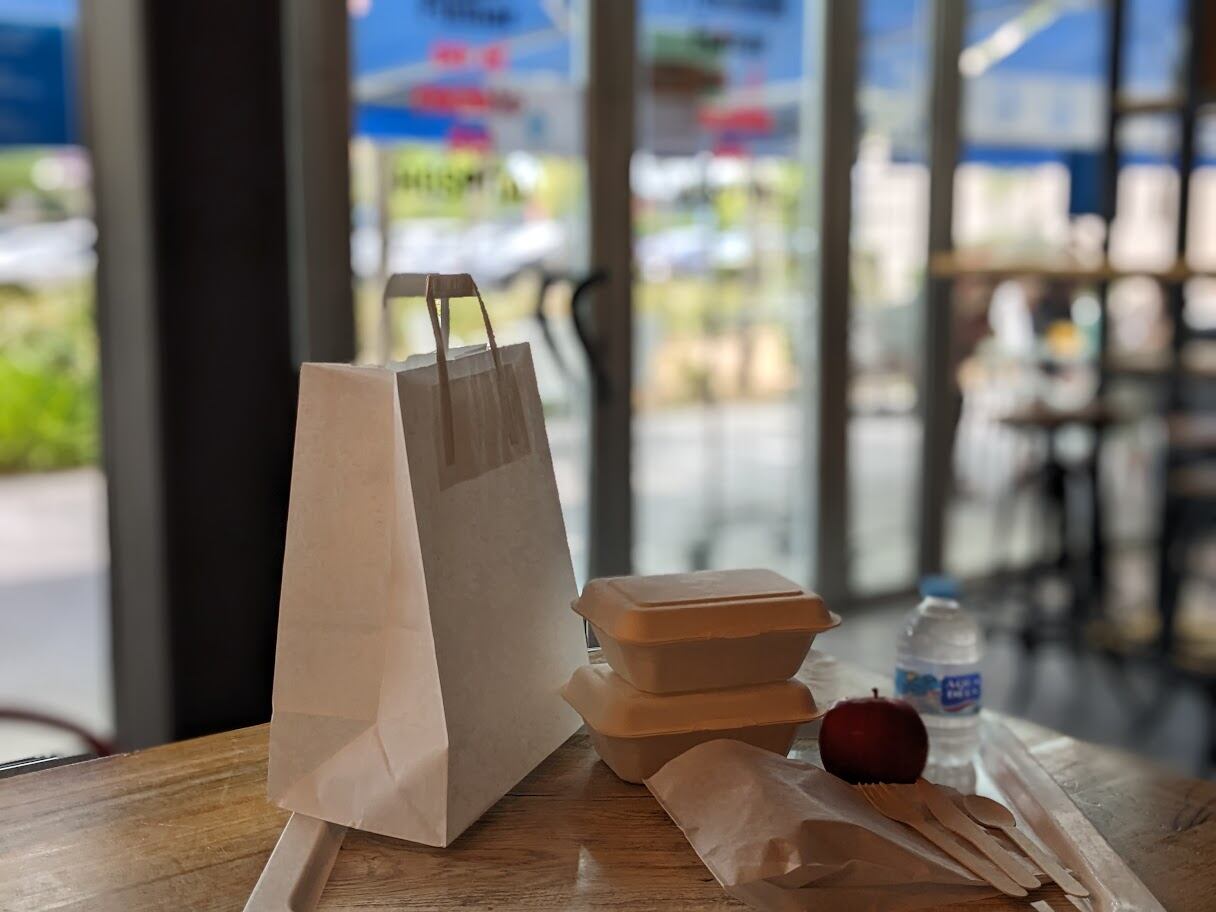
{"x": 1169, "y": 571}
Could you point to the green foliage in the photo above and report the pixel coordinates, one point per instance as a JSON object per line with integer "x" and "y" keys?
{"x": 16, "y": 168}
{"x": 48, "y": 379}
{"x": 17, "y": 187}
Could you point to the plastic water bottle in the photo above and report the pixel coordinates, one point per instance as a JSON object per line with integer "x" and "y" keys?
{"x": 937, "y": 670}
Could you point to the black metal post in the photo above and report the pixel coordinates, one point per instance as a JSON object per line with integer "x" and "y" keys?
{"x": 938, "y": 393}
{"x": 839, "y": 39}
{"x": 609, "y": 132}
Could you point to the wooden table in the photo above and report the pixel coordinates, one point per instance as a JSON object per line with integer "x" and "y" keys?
{"x": 187, "y": 827}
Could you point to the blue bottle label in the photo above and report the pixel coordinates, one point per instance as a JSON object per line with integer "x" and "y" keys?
{"x": 940, "y": 690}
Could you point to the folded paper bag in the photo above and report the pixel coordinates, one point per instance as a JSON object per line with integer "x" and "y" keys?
{"x": 782, "y": 834}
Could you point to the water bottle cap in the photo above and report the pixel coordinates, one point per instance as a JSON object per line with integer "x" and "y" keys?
{"x": 939, "y": 586}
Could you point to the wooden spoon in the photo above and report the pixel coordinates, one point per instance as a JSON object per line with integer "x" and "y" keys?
{"x": 990, "y": 813}
{"x": 955, "y": 820}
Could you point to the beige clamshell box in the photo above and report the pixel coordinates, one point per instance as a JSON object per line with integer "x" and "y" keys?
{"x": 636, "y": 733}
{"x": 702, "y": 631}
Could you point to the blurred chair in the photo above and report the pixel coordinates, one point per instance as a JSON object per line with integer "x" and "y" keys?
{"x": 1188, "y": 519}
{"x": 1188, "y": 513}
{"x": 95, "y": 745}
{"x": 1060, "y": 472}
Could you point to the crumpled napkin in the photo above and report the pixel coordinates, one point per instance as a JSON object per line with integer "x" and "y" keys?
{"x": 782, "y": 834}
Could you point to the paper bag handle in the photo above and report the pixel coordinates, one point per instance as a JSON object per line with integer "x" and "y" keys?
{"x": 433, "y": 286}
{"x": 442, "y": 287}
{"x": 406, "y": 285}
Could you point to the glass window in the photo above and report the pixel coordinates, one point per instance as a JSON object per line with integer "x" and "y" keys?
{"x": 721, "y": 247}
{"x": 1029, "y": 190}
{"x": 890, "y": 219}
{"x": 54, "y": 622}
{"x": 1033, "y": 130}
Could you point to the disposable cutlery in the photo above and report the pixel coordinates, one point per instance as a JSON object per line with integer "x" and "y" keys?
{"x": 891, "y": 804}
{"x": 990, "y": 813}
{"x": 941, "y": 807}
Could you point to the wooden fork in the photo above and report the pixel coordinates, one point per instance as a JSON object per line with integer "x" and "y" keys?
{"x": 891, "y": 804}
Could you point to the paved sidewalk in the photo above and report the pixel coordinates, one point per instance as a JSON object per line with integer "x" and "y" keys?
{"x": 54, "y": 618}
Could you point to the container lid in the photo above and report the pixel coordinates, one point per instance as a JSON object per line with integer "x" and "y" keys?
{"x": 709, "y": 604}
{"x": 612, "y": 707}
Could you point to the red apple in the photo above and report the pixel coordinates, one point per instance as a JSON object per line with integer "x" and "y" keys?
{"x": 874, "y": 739}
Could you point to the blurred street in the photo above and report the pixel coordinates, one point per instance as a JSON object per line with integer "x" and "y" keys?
{"x": 54, "y": 607}
{"x": 732, "y": 503}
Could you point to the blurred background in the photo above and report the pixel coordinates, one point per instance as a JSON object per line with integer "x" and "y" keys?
{"x": 866, "y": 291}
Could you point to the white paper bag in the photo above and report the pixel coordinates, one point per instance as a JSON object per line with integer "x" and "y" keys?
{"x": 425, "y": 625}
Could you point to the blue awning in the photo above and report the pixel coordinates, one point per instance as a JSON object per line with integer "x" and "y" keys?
{"x": 508, "y": 71}
{"x": 1036, "y": 93}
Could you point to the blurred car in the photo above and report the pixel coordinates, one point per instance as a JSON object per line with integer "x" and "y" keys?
{"x": 44, "y": 252}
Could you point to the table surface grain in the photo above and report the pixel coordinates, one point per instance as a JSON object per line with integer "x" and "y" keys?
{"x": 188, "y": 826}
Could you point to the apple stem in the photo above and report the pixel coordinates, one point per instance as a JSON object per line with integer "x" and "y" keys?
{"x": 875, "y": 691}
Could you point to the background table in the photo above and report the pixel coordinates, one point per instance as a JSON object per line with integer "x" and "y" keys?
{"x": 187, "y": 826}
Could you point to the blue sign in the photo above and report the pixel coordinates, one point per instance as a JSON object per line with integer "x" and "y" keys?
{"x": 36, "y": 97}
{"x": 460, "y": 71}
